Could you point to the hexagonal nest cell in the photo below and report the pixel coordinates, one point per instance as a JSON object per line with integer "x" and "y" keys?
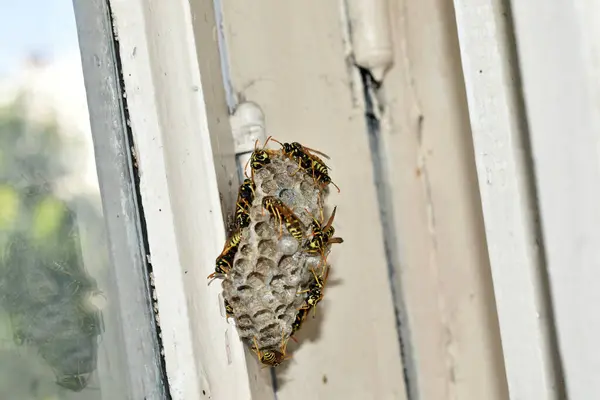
{"x": 270, "y": 274}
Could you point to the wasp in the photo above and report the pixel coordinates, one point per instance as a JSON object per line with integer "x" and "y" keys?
{"x": 272, "y": 358}
{"x": 322, "y": 236}
{"x": 259, "y": 157}
{"x": 323, "y": 180}
{"x": 284, "y": 216}
{"x": 303, "y": 155}
{"x": 308, "y": 161}
{"x": 225, "y": 259}
{"x": 315, "y": 290}
{"x": 244, "y": 200}
{"x": 242, "y": 214}
{"x": 228, "y": 309}
{"x": 300, "y": 317}
{"x": 246, "y": 191}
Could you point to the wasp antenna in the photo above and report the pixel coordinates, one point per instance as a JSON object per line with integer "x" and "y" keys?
{"x": 277, "y": 141}
{"x": 246, "y": 168}
{"x": 267, "y": 141}
{"x": 336, "y": 186}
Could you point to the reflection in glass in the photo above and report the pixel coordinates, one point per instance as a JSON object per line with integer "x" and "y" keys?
{"x": 53, "y": 255}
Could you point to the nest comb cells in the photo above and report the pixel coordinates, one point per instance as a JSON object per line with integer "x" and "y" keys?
{"x": 274, "y": 263}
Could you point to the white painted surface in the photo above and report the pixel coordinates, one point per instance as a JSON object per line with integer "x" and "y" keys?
{"x": 178, "y": 118}
{"x": 506, "y": 196}
{"x": 444, "y": 272}
{"x": 371, "y": 35}
{"x": 559, "y": 48}
{"x": 296, "y": 72}
{"x": 289, "y": 58}
{"x": 247, "y": 126}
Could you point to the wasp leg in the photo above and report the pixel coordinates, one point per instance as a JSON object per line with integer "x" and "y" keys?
{"x": 217, "y": 275}
{"x": 255, "y": 348}
{"x": 280, "y": 230}
{"x": 323, "y": 259}
{"x": 299, "y": 168}
{"x": 315, "y": 311}
{"x": 316, "y": 277}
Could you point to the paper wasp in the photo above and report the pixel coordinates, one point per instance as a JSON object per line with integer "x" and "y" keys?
{"x": 284, "y": 215}
{"x": 244, "y": 200}
{"x": 308, "y": 161}
{"x": 315, "y": 290}
{"x": 225, "y": 259}
{"x": 259, "y": 157}
{"x": 228, "y": 309}
{"x": 324, "y": 180}
{"x": 272, "y": 358}
{"x": 322, "y": 236}
{"x": 300, "y": 317}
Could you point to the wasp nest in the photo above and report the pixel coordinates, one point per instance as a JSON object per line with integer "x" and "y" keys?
{"x": 273, "y": 272}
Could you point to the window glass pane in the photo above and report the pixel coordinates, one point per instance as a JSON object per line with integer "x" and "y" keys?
{"x": 57, "y": 340}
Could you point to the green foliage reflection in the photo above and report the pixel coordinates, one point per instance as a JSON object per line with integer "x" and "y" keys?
{"x": 44, "y": 288}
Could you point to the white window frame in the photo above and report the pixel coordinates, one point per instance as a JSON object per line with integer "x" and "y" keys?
{"x": 558, "y": 45}
{"x": 129, "y": 302}
{"x": 171, "y": 111}
{"x": 172, "y": 76}
{"x": 175, "y": 128}
{"x": 508, "y": 198}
